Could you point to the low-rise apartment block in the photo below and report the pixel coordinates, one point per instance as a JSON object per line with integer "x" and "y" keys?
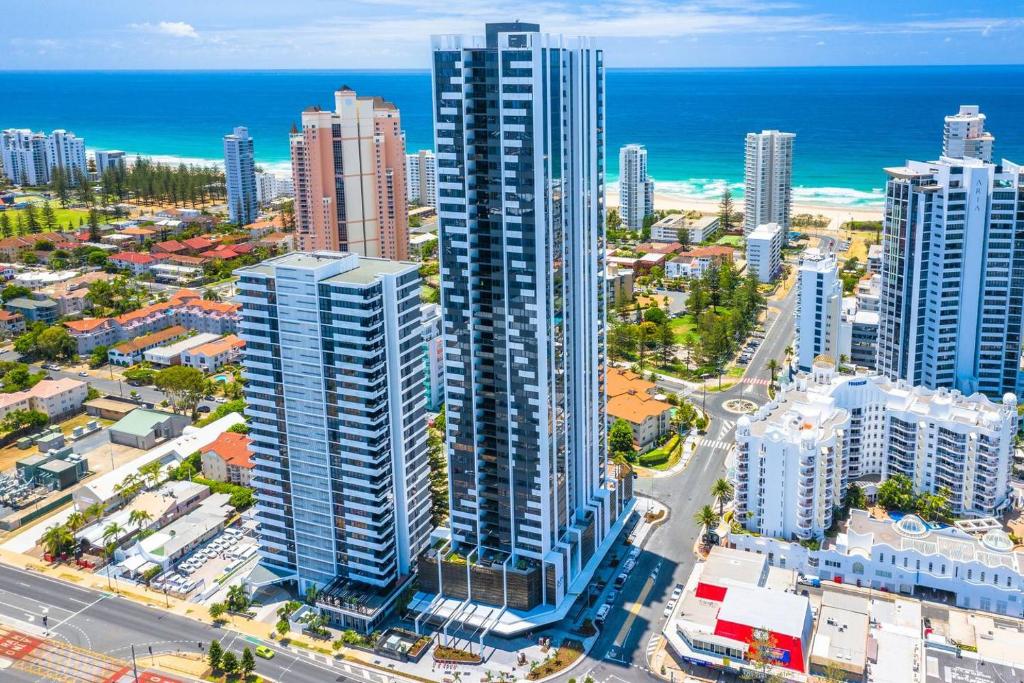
{"x": 132, "y": 352}
{"x": 764, "y": 251}
{"x": 211, "y": 356}
{"x": 698, "y": 230}
{"x": 632, "y": 398}
{"x": 228, "y": 459}
{"x": 694, "y": 263}
{"x": 186, "y": 308}
{"x": 55, "y": 397}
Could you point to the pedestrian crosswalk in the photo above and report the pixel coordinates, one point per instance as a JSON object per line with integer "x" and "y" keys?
{"x": 652, "y": 645}
{"x": 728, "y": 425}
{"x": 755, "y": 380}
{"x": 713, "y": 444}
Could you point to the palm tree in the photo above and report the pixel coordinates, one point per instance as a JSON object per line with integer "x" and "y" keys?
{"x": 773, "y": 367}
{"x": 706, "y": 517}
{"x": 75, "y": 521}
{"x": 139, "y": 518}
{"x": 56, "y": 539}
{"x": 112, "y": 532}
{"x": 94, "y": 511}
{"x": 721, "y": 490}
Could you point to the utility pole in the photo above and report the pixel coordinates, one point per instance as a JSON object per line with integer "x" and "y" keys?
{"x": 135, "y": 668}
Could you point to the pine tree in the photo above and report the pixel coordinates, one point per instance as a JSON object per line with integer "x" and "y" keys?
{"x": 725, "y": 210}
{"x": 248, "y": 664}
{"x": 5, "y": 225}
{"x": 32, "y": 219}
{"x": 59, "y": 186}
{"x": 229, "y": 662}
{"x": 49, "y": 217}
{"x": 94, "y": 225}
{"x": 214, "y": 654}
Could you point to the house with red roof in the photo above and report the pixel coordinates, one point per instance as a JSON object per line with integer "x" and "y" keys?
{"x": 228, "y": 459}
{"x": 132, "y": 261}
{"x": 11, "y": 323}
{"x": 169, "y": 247}
{"x": 196, "y": 245}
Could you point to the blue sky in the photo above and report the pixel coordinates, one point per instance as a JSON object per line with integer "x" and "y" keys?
{"x": 356, "y": 34}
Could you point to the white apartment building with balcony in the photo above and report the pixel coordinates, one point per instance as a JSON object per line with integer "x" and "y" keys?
{"x": 964, "y": 135}
{"x": 421, "y": 178}
{"x": 240, "y": 177}
{"x": 636, "y": 188}
{"x": 66, "y": 151}
{"x": 819, "y": 309}
{"x": 952, "y": 287}
{"x": 797, "y": 455}
{"x": 768, "y": 188}
{"x": 335, "y": 392}
{"x": 23, "y": 156}
{"x": 764, "y": 252}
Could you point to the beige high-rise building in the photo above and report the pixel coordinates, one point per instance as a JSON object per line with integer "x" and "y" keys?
{"x": 349, "y": 171}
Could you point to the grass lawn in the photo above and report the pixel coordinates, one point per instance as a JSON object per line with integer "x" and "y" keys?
{"x": 663, "y": 458}
{"x": 730, "y": 241}
{"x": 63, "y": 216}
{"x": 683, "y": 326}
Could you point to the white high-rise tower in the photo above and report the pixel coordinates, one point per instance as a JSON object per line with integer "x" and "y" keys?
{"x": 636, "y": 189}
{"x": 768, "y": 191}
{"x": 964, "y": 135}
{"x": 240, "y": 177}
{"x": 953, "y": 274}
{"x": 336, "y": 405}
{"x": 819, "y": 309}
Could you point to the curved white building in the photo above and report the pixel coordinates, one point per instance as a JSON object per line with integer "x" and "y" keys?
{"x": 797, "y": 455}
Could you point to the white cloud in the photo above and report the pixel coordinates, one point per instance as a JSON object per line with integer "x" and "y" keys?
{"x": 820, "y": 43}
{"x": 175, "y": 29}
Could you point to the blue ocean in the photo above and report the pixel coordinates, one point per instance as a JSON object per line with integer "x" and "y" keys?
{"x": 850, "y": 122}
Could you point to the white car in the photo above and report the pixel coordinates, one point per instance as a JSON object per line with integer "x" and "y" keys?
{"x": 668, "y": 608}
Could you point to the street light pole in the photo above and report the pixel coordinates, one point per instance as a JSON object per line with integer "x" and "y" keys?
{"x": 135, "y": 668}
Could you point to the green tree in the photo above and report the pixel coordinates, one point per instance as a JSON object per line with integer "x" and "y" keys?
{"x": 934, "y": 507}
{"x": 228, "y": 663}
{"x": 59, "y": 186}
{"x": 217, "y": 610}
{"x": 438, "y": 469}
{"x": 897, "y": 493}
{"x": 57, "y": 539}
{"x": 773, "y": 367}
{"x": 98, "y": 356}
{"x": 620, "y": 439}
{"x": 94, "y": 226}
{"x": 32, "y": 219}
{"x": 18, "y": 419}
{"x": 49, "y": 217}
{"x": 112, "y": 532}
{"x": 184, "y": 387}
{"x": 5, "y": 225}
{"x": 56, "y": 342}
{"x": 248, "y": 663}
{"x": 707, "y": 518}
{"x": 855, "y": 498}
{"x": 214, "y": 654}
{"x": 14, "y": 291}
{"x": 283, "y": 626}
{"x": 725, "y": 210}
{"x": 722, "y": 490}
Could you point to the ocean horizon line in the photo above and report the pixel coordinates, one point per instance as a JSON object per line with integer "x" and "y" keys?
{"x": 422, "y": 70}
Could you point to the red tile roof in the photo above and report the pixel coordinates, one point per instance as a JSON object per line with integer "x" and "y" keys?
{"x": 132, "y": 257}
{"x": 232, "y": 448}
{"x": 170, "y": 246}
{"x": 198, "y": 243}
{"x": 86, "y": 325}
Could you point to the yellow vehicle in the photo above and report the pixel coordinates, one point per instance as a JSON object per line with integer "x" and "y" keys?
{"x": 264, "y": 651}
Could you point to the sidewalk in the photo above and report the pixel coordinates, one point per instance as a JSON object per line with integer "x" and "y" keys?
{"x": 257, "y": 632}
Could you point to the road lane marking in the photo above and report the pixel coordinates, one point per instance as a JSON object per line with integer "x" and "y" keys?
{"x": 102, "y": 597}
{"x": 634, "y": 610}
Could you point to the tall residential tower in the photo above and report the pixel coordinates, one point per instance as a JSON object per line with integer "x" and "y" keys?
{"x": 240, "y": 177}
{"x": 768, "y": 191}
{"x": 519, "y": 133}
{"x": 335, "y": 396}
{"x": 964, "y": 135}
{"x": 952, "y": 284}
{"x": 348, "y": 168}
{"x": 636, "y": 188}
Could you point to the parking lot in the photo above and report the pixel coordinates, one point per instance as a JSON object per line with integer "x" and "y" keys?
{"x": 198, "y": 571}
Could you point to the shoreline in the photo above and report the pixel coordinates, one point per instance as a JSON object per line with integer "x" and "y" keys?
{"x": 835, "y": 212}
{"x": 841, "y": 210}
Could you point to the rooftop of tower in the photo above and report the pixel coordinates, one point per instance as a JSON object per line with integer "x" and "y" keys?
{"x": 358, "y": 270}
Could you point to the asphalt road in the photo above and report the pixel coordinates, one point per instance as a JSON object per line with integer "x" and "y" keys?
{"x": 105, "y": 623}
{"x": 669, "y": 550}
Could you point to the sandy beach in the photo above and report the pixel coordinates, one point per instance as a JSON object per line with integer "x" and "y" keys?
{"x": 837, "y": 214}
